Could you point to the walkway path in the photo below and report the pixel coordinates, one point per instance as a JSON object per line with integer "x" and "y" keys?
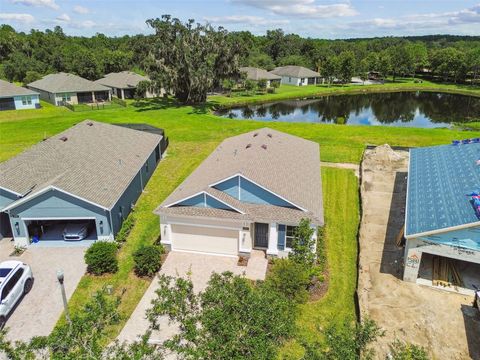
{"x": 350, "y": 166}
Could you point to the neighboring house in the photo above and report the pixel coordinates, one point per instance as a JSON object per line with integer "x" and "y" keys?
{"x": 124, "y": 84}
{"x": 297, "y": 75}
{"x": 441, "y": 217}
{"x": 61, "y": 88}
{"x": 250, "y": 193}
{"x": 13, "y": 97}
{"x": 91, "y": 173}
{"x": 257, "y": 74}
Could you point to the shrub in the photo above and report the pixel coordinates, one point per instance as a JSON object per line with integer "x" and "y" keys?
{"x": 127, "y": 226}
{"x": 101, "y": 258}
{"x": 147, "y": 260}
{"x": 321, "y": 249}
{"x": 404, "y": 351}
{"x": 290, "y": 278}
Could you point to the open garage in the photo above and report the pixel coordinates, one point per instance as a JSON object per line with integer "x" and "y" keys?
{"x": 202, "y": 239}
{"x": 80, "y": 182}
{"x": 61, "y": 229}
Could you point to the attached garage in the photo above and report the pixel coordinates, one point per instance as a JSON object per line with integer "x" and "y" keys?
{"x": 205, "y": 239}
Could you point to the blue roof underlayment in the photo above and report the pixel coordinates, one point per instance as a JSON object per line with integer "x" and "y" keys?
{"x": 439, "y": 180}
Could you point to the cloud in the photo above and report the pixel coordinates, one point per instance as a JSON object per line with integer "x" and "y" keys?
{"x": 422, "y": 21}
{"x": 38, "y": 3}
{"x": 23, "y": 18}
{"x": 301, "y": 8}
{"x": 81, "y": 10}
{"x": 63, "y": 18}
{"x": 245, "y": 19}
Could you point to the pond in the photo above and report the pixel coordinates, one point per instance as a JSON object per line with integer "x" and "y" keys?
{"x": 408, "y": 109}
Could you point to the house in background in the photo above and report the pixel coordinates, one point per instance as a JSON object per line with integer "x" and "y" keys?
{"x": 442, "y": 220}
{"x": 13, "y": 97}
{"x": 61, "y": 88}
{"x": 257, "y": 74}
{"x": 124, "y": 84}
{"x": 250, "y": 193}
{"x": 92, "y": 173}
{"x": 297, "y": 75}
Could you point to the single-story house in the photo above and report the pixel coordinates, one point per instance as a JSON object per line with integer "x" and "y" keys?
{"x": 297, "y": 75}
{"x": 257, "y": 74}
{"x": 250, "y": 193}
{"x": 13, "y": 97}
{"x": 62, "y": 88}
{"x": 92, "y": 173}
{"x": 123, "y": 84}
{"x": 442, "y": 219}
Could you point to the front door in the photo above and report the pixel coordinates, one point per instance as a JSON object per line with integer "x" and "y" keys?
{"x": 261, "y": 235}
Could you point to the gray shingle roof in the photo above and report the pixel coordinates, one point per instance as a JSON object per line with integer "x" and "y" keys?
{"x": 256, "y": 74}
{"x": 121, "y": 80}
{"x": 288, "y": 167}
{"x": 295, "y": 71}
{"x": 97, "y": 162}
{"x": 8, "y": 89}
{"x": 64, "y": 82}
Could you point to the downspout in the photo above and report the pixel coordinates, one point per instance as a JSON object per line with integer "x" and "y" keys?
{"x": 111, "y": 223}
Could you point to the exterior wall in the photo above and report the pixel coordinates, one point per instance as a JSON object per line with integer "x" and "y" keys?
{"x": 290, "y": 80}
{"x": 45, "y": 95}
{"x": 73, "y": 98}
{"x": 52, "y": 205}
{"x": 124, "y": 205}
{"x": 6, "y": 198}
{"x": 244, "y": 234}
{"x": 246, "y": 191}
{"x": 416, "y": 247}
{"x": 19, "y": 102}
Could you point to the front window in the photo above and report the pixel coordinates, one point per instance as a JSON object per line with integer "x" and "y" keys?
{"x": 66, "y": 97}
{"x": 26, "y": 100}
{"x": 289, "y": 236}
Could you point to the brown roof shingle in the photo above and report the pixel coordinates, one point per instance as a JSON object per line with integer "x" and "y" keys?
{"x": 64, "y": 82}
{"x": 97, "y": 162}
{"x": 8, "y": 89}
{"x": 284, "y": 164}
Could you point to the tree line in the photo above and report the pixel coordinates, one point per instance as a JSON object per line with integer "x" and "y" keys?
{"x": 190, "y": 59}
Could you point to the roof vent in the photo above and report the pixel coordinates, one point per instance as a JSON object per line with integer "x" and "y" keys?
{"x": 89, "y": 123}
{"x": 264, "y": 147}
{"x": 64, "y": 138}
{"x": 248, "y": 146}
{"x": 256, "y": 134}
{"x": 270, "y": 135}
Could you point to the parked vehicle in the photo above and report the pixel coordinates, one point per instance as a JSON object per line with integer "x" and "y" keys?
{"x": 75, "y": 231}
{"x": 16, "y": 280}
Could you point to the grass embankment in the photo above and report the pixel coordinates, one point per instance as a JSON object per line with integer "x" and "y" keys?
{"x": 342, "y": 216}
{"x": 194, "y": 132}
{"x": 289, "y": 92}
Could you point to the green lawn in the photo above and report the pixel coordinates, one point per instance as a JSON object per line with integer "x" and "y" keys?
{"x": 342, "y": 216}
{"x": 194, "y": 132}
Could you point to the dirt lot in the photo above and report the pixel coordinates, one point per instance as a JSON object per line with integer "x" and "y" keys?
{"x": 442, "y": 322}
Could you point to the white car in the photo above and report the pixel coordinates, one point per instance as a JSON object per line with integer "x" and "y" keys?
{"x": 16, "y": 279}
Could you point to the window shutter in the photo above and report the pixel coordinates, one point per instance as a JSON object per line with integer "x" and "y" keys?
{"x": 281, "y": 237}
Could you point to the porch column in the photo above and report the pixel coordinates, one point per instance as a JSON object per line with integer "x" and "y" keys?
{"x": 272, "y": 240}
{"x": 412, "y": 264}
{"x": 166, "y": 234}
{"x": 93, "y": 96}
{"x": 123, "y": 94}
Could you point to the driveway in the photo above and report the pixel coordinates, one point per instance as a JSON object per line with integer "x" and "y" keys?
{"x": 37, "y": 313}
{"x": 200, "y": 267}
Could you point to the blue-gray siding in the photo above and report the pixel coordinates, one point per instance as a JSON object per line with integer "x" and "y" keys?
{"x": 204, "y": 200}
{"x": 56, "y": 204}
{"x": 246, "y": 191}
{"x": 281, "y": 237}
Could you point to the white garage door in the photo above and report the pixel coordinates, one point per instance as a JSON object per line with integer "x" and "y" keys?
{"x": 203, "y": 239}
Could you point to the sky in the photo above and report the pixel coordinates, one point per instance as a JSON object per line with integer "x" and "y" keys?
{"x": 329, "y": 19}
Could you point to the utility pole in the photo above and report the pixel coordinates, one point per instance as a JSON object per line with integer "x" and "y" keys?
{"x": 61, "y": 278}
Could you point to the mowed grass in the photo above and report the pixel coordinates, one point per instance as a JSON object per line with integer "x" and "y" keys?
{"x": 342, "y": 216}
{"x": 194, "y": 132}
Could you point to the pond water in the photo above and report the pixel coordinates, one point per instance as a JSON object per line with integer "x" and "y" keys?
{"x": 408, "y": 109}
